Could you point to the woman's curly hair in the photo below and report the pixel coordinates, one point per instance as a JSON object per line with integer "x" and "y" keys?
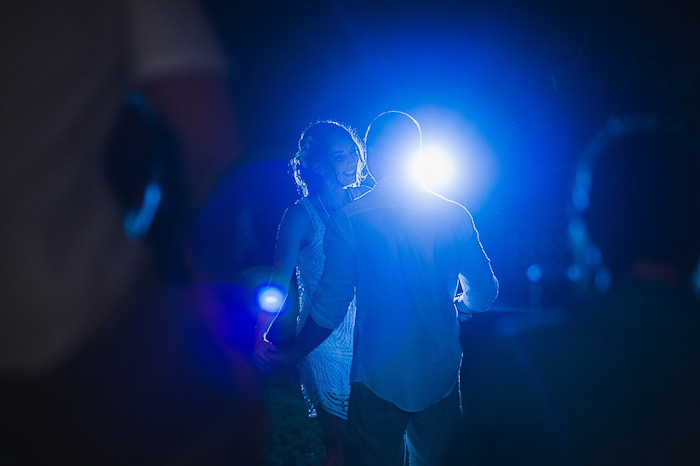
{"x": 312, "y": 148}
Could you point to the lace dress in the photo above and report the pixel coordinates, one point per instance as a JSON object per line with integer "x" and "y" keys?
{"x": 325, "y": 372}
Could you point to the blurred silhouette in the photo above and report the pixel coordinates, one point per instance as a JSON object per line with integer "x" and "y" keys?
{"x": 101, "y": 361}
{"x": 614, "y": 379}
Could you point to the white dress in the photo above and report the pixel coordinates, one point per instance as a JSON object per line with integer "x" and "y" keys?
{"x": 325, "y": 372}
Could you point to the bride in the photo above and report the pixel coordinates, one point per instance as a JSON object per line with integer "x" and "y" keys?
{"x": 327, "y": 170}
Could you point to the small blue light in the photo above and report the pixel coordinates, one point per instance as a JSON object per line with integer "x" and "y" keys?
{"x": 270, "y": 298}
{"x": 574, "y": 273}
{"x": 534, "y": 273}
{"x": 602, "y": 279}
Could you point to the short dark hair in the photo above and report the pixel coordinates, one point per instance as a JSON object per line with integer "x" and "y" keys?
{"x": 645, "y": 198}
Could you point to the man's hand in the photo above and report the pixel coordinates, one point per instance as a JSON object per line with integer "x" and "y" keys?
{"x": 273, "y": 359}
{"x": 269, "y": 358}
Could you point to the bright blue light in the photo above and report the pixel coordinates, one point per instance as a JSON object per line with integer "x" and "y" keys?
{"x": 433, "y": 168}
{"x": 137, "y": 222}
{"x": 270, "y": 298}
{"x": 534, "y": 273}
{"x": 456, "y": 161}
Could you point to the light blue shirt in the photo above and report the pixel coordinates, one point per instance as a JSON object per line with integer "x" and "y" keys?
{"x": 401, "y": 250}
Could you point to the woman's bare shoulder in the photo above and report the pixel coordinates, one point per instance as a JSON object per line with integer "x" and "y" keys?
{"x": 296, "y": 216}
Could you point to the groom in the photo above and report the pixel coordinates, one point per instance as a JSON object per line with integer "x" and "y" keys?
{"x": 401, "y": 249}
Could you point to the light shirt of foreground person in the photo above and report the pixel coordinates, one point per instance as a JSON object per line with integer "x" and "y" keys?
{"x": 403, "y": 248}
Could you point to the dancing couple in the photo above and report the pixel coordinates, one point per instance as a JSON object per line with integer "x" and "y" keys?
{"x": 398, "y": 252}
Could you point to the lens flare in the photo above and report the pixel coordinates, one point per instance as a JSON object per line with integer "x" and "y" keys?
{"x": 270, "y": 298}
{"x": 433, "y": 168}
{"x": 534, "y": 273}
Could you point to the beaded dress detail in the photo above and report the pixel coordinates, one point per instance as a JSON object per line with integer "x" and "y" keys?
{"x": 325, "y": 372}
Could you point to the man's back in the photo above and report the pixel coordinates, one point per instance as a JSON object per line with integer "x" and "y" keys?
{"x": 409, "y": 247}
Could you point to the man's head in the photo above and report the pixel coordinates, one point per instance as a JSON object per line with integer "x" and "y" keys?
{"x": 639, "y": 197}
{"x": 393, "y": 139}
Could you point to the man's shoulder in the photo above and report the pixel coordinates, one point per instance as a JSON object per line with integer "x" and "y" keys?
{"x": 420, "y": 199}
{"x": 434, "y": 201}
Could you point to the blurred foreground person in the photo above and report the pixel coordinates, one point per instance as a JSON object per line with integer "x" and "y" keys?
{"x": 616, "y": 380}
{"x": 327, "y": 169}
{"x": 401, "y": 249}
{"x": 98, "y": 364}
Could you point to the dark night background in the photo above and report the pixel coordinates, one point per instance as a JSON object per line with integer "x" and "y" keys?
{"x": 513, "y": 89}
{"x": 527, "y": 84}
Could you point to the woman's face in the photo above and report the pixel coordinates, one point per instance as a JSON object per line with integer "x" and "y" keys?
{"x": 343, "y": 157}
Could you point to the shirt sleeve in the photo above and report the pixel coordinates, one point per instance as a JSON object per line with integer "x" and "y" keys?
{"x": 336, "y": 288}
{"x": 476, "y": 276}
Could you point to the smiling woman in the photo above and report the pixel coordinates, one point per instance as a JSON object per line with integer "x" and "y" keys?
{"x": 328, "y": 168}
{"x": 327, "y": 147}
{"x": 344, "y": 157}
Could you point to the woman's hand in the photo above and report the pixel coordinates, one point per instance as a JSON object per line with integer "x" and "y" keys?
{"x": 261, "y": 352}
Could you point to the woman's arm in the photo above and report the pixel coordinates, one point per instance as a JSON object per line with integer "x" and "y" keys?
{"x": 291, "y": 237}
